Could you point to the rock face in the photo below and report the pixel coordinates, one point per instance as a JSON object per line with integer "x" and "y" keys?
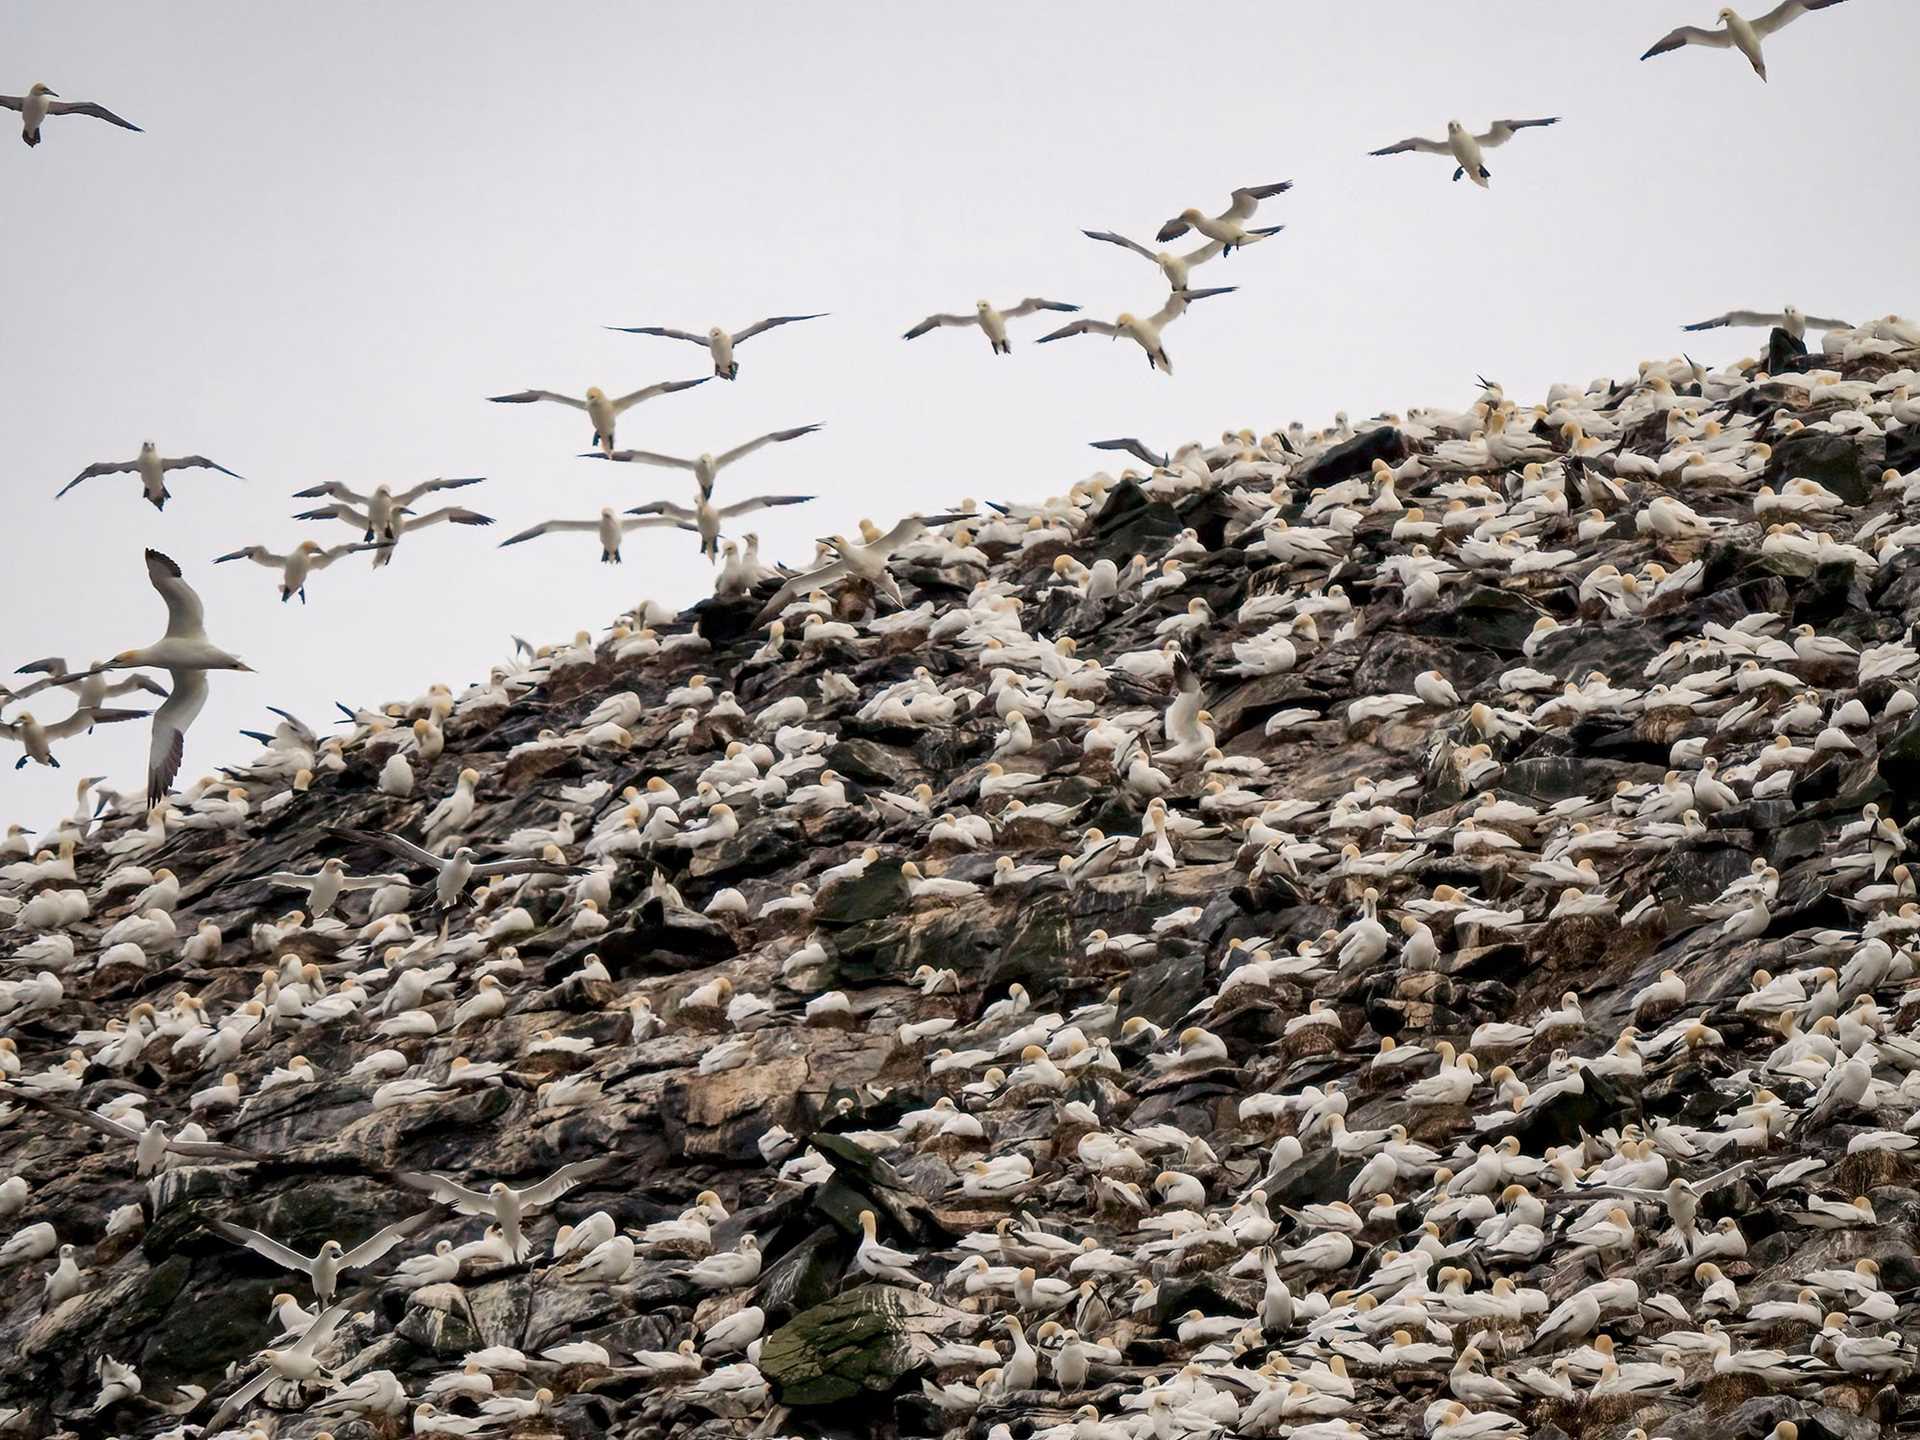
{"x": 1111, "y": 929}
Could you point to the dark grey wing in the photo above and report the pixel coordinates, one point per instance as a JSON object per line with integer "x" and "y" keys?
{"x": 198, "y": 462}
{"x": 1413, "y": 144}
{"x": 427, "y": 487}
{"x": 103, "y": 467}
{"x": 1688, "y": 35}
{"x": 1133, "y": 447}
{"x": 759, "y": 502}
{"x": 1114, "y": 238}
{"x": 934, "y": 322}
{"x": 88, "y": 107}
{"x": 527, "y": 397}
{"x": 526, "y": 866}
{"x": 659, "y": 330}
{"x": 1033, "y": 304}
{"x": 665, "y": 387}
{"x": 392, "y": 844}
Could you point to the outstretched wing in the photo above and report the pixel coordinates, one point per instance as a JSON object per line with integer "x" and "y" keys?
{"x": 333, "y": 489}
{"x": 259, "y": 554}
{"x": 799, "y": 585}
{"x": 548, "y": 527}
{"x": 1178, "y": 301}
{"x": 527, "y": 397}
{"x": 528, "y": 866}
{"x": 759, "y": 502}
{"x": 339, "y": 510}
{"x": 1080, "y": 327}
{"x": 759, "y": 326}
{"x": 665, "y": 387}
{"x": 1688, "y": 35}
{"x": 169, "y": 744}
{"x": 1113, "y": 238}
{"x": 934, "y": 322}
{"x": 392, "y": 844}
{"x": 770, "y": 438}
{"x": 1739, "y": 317}
{"x": 83, "y": 720}
{"x": 376, "y": 1245}
{"x": 563, "y": 1180}
{"x": 100, "y": 112}
{"x": 73, "y": 1113}
{"x": 103, "y": 467}
{"x": 659, "y": 330}
{"x": 452, "y": 513}
{"x": 1136, "y": 448}
{"x": 676, "y": 514}
{"x": 427, "y": 487}
{"x": 198, "y": 462}
{"x": 1413, "y": 143}
{"x": 186, "y": 617}
{"x": 1032, "y": 305}
{"x": 1248, "y": 197}
{"x": 448, "y": 1192}
{"x": 1501, "y": 131}
{"x": 1785, "y": 14}
{"x": 645, "y": 457}
{"x": 266, "y": 1245}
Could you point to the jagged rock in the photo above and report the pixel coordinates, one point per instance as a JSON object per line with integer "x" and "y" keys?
{"x": 868, "y": 1339}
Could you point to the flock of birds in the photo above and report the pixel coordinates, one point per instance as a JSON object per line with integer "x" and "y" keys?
{"x": 1382, "y": 1246}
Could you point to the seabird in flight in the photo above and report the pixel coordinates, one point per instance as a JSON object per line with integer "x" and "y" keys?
{"x": 720, "y": 343}
{"x": 40, "y": 102}
{"x": 1144, "y": 332}
{"x": 1465, "y": 146}
{"x": 1737, "y": 33}
{"x": 602, "y": 409}
{"x": 991, "y": 320}
{"x": 152, "y": 469}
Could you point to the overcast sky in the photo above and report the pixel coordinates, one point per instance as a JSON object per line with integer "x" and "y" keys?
{"x": 346, "y": 225}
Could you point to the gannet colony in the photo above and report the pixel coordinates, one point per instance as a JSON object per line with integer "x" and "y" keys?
{"x": 1399, "y": 929}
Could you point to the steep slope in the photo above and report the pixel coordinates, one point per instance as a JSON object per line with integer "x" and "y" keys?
{"x": 1579, "y": 737}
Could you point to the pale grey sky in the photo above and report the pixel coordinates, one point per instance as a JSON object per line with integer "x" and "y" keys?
{"x": 346, "y": 225}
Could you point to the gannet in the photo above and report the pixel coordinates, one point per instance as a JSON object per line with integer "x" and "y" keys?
{"x": 386, "y": 514}
{"x": 455, "y": 872}
{"x": 149, "y": 465}
{"x": 1143, "y": 332}
{"x": 324, "y": 1267}
{"x": 151, "y": 1142}
{"x": 40, "y": 102}
{"x": 1739, "y": 34}
{"x": 866, "y": 562}
{"x": 1789, "y": 319}
{"x": 704, "y": 516}
{"x": 1465, "y": 147}
{"x": 297, "y": 1363}
{"x": 610, "y": 527}
{"x": 1228, "y": 226}
{"x": 327, "y": 884}
{"x": 991, "y": 320}
{"x": 500, "y": 1202}
{"x": 603, "y": 410}
{"x": 295, "y": 565}
{"x": 1179, "y": 270}
{"x": 37, "y": 739}
{"x": 186, "y": 654}
{"x": 707, "y": 466}
{"x": 720, "y": 343}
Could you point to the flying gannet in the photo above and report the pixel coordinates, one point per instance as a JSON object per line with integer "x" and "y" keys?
{"x": 500, "y": 1202}
{"x": 610, "y": 527}
{"x": 453, "y": 873}
{"x": 1229, "y": 226}
{"x": 720, "y": 343}
{"x": 386, "y": 514}
{"x": 1465, "y": 147}
{"x": 294, "y": 567}
{"x": 603, "y": 410}
{"x": 705, "y": 516}
{"x": 1144, "y": 332}
{"x": 1790, "y": 320}
{"x": 186, "y": 654}
{"x": 296, "y": 1363}
{"x": 152, "y": 1145}
{"x": 324, "y": 1267}
{"x": 866, "y": 562}
{"x": 40, "y": 102}
{"x": 707, "y": 466}
{"x": 991, "y": 320}
{"x": 1736, "y": 33}
{"x": 37, "y": 739}
{"x": 152, "y": 469}
{"x": 1177, "y": 268}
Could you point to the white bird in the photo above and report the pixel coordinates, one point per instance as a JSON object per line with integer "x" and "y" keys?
{"x": 388, "y": 514}
{"x": 867, "y": 563}
{"x": 1789, "y": 319}
{"x": 298, "y": 1362}
{"x": 720, "y": 343}
{"x": 455, "y": 872}
{"x": 37, "y": 738}
{"x": 610, "y": 528}
{"x": 40, "y": 102}
{"x": 186, "y": 654}
{"x": 1179, "y": 270}
{"x": 1143, "y": 331}
{"x": 602, "y": 409}
{"x": 500, "y": 1202}
{"x": 991, "y": 320}
{"x": 1229, "y": 226}
{"x": 296, "y": 564}
{"x": 149, "y": 464}
{"x": 324, "y": 1267}
{"x": 1465, "y": 146}
{"x": 1737, "y": 33}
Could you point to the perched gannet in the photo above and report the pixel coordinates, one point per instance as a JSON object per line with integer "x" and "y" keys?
{"x": 992, "y": 321}
{"x": 1465, "y": 146}
{"x": 296, "y": 564}
{"x": 610, "y": 528}
{"x": 149, "y": 465}
{"x": 186, "y": 654}
{"x": 40, "y": 102}
{"x": 603, "y": 410}
{"x": 1736, "y": 33}
{"x": 1143, "y": 331}
{"x": 720, "y": 343}
{"x": 1228, "y": 227}
{"x": 1788, "y": 319}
